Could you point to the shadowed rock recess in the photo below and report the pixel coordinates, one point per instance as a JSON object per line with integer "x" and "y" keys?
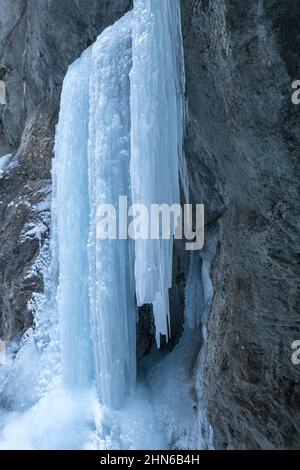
{"x": 242, "y": 150}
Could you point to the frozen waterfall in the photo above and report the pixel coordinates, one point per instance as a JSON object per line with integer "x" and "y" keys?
{"x": 120, "y": 133}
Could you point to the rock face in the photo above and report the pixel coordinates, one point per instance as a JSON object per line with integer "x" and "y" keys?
{"x": 242, "y": 147}
{"x": 242, "y": 143}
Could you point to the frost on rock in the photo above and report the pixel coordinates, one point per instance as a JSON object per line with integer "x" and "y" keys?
{"x": 157, "y": 116}
{"x": 205, "y": 433}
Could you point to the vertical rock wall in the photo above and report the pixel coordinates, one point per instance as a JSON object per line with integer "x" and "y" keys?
{"x": 243, "y": 155}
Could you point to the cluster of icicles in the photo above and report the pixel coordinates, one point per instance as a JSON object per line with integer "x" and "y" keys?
{"x": 120, "y": 133}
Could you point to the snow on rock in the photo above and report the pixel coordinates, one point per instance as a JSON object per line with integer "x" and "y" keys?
{"x": 3, "y": 163}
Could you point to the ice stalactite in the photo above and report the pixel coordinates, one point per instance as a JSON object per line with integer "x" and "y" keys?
{"x": 71, "y": 210}
{"x": 96, "y": 297}
{"x": 120, "y": 133}
{"x": 157, "y": 117}
{"x": 112, "y": 297}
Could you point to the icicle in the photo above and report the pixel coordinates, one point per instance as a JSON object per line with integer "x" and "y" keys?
{"x": 70, "y": 175}
{"x": 157, "y": 116}
{"x": 113, "y": 308}
{"x": 182, "y": 114}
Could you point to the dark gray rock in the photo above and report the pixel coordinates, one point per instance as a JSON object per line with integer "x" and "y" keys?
{"x": 39, "y": 40}
{"x": 25, "y": 191}
{"x": 242, "y": 147}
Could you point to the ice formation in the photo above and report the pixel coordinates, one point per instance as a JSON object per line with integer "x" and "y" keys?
{"x": 112, "y": 298}
{"x": 3, "y": 162}
{"x": 120, "y": 133}
{"x": 157, "y": 117}
{"x": 96, "y": 299}
{"x": 71, "y": 210}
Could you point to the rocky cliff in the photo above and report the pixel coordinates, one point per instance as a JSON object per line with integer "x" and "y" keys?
{"x": 242, "y": 149}
{"x": 242, "y": 143}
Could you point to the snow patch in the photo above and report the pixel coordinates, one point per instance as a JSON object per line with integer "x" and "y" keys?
{"x": 4, "y": 162}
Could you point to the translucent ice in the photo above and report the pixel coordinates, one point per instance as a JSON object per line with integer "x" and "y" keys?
{"x": 157, "y": 117}
{"x": 112, "y": 297}
{"x": 70, "y": 175}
